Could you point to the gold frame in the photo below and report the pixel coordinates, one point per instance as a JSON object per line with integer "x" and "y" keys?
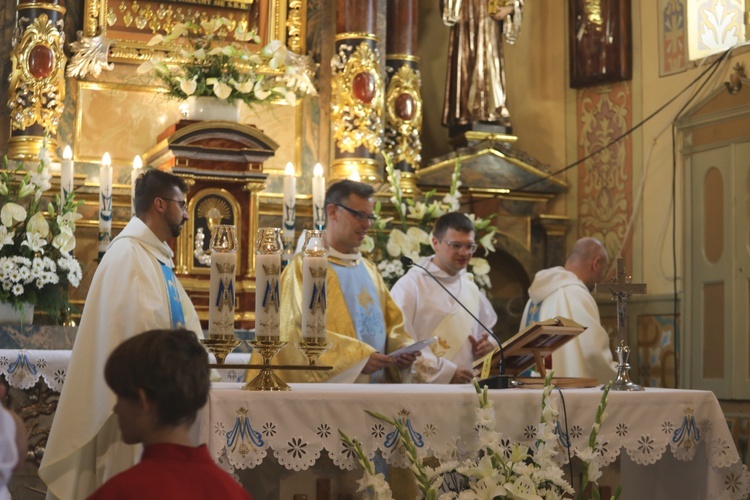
{"x": 188, "y": 237}
{"x": 284, "y": 20}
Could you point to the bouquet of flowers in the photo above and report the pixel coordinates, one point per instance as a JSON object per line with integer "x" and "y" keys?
{"x": 502, "y": 470}
{"x": 209, "y": 64}
{"x": 411, "y": 237}
{"x": 36, "y": 260}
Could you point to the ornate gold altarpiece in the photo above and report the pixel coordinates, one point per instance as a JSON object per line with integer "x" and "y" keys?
{"x": 222, "y": 163}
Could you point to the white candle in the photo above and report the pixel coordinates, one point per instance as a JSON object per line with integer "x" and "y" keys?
{"x": 221, "y": 295}
{"x": 137, "y": 166}
{"x": 314, "y": 270}
{"x": 354, "y": 176}
{"x": 105, "y": 204}
{"x": 66, "y": 175}
{"x": 319, "y": 196}
{"x": 290, "y": 184}
{"x": 267, "y": 299}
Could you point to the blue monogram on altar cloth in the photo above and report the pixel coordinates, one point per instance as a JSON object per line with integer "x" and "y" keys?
{"x": 176, "y": 314}
{"x": 363, "y": 304}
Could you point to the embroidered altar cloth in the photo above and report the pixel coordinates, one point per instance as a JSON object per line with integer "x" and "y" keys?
{"x": 244, "y": 428}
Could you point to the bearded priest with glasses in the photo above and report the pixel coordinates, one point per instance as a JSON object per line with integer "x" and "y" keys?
{"x": 429, "y": 311}
{"x": 362, "y": 321}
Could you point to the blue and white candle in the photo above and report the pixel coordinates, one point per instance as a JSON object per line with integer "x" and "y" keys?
{"x": 105, "y": 204}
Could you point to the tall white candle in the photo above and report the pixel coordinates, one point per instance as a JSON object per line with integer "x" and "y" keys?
{"x": 137, "y": 169}
{"x": 105, "y": 204}
{"x": 290, "y": 185}
{"x": 221, "y": 295}
{"x": 267, "y": 299}
{"x": 314, "y": 270}
{"x": 66, "y": 175}
{"x": 319, "y": 196}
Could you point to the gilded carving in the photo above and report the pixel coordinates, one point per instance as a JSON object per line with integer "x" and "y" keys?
{"x": 37, "y": 83}
{"x": 404, "y": 116}
{"x": 356, "y": 98}
{"x": 294, "y": 26}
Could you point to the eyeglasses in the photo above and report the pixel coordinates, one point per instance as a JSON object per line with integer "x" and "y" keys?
{"x": 360, "y": 216}
{"x": 181, "y": 203}
{"x": 457, "y": 246}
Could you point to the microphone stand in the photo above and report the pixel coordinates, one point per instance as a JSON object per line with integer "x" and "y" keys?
{"x": 501, "y": 381}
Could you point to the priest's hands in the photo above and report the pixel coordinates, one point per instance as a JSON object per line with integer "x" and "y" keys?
{"x": 481, "y": 347}
{"x": 379, "y": 361}
{"x": 462, "y": 376}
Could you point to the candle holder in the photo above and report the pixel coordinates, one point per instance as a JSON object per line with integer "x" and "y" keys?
{"x": 313, "y": 348}
{"x": 267, "y": 346}
{"x": 220, "y": 346}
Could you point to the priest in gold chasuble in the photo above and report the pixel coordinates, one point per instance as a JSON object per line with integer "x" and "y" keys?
{"x": 362, "y": 321}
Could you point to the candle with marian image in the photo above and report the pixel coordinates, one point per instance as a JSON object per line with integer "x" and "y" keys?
{"x": 105, "y": 204}
{"x": 268, "y": 250}
{"x": 290, "y": 192}
{"x": 314, "y": 270}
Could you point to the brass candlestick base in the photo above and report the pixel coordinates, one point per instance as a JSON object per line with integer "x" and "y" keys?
{"x": 220, "y": 346}
{"x": 313, "y": 347}
{"x": 267, "y": 380}
{"x": 623, "y": 382}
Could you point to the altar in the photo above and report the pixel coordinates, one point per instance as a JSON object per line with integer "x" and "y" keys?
{"x": 671, "y": 443}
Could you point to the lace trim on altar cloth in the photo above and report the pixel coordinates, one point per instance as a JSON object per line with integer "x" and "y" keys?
{"x": 245, "y": 435}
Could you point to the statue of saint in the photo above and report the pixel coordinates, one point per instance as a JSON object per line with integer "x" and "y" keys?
{"x": 475, "y": 82}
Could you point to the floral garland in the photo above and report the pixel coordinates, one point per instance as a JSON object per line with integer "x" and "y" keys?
{"x": 412, "y": 236}
{"x": 209, "y": 65}
{"x": 36, "y": 260}
{"x": 502, "y": 469}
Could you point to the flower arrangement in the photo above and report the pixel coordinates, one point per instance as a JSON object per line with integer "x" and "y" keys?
{"x": 412, "y": 237}
{"x": 209, "y": 64}
{"x": 502, "y": 470}
{"x": 36, "y": 260}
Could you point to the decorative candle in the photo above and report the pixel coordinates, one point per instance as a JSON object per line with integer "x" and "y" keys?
{"x": 314, "y": 270}
{"x": 137, "y": 166}
{"x": 319, "y": 197}
{"x": 289, "y": 202}
{"x": 354, "y": 176}
{"x": 268, "y": 249}
{"x": 221, "y": 296}
{"x": 66, "y": 175}
{"x": 105, "y": 204}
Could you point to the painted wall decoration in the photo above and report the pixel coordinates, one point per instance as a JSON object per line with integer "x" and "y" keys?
{"x": 672, "y": 37}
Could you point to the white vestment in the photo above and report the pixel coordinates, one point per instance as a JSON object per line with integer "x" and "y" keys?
{"x": 559, "y": 292}
{"x": 428, "y": 310}
{"x": 8, "y": 451}
{"x": 128, "y": 295}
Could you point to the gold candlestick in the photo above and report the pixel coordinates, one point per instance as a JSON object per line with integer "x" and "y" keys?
{"x": 267, "y": 346}
{"x": 220, "y": 346}
{"x": 313, "y": 347}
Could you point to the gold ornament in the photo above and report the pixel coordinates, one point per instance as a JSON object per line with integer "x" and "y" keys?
{"x": 37, "y": 80}
{"x": 357, "y": 99}
{"x": 404, "y": 116}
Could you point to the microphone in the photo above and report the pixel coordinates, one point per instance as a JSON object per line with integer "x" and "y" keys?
{"x": 501, "y": 381}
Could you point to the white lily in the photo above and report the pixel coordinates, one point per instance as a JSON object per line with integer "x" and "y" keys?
{"x": 65, "y": 241}
{"x": 34, "y": 241}
{"x": 6, "y": 237}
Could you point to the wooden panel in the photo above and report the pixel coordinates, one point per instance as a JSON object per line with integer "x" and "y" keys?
{"x": 713, "y": 217}
{"x": 713, "y": 330}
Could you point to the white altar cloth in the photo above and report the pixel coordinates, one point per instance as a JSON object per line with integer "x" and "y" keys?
{"x": 687, "y": 428}
{"x": 23, "y": 368}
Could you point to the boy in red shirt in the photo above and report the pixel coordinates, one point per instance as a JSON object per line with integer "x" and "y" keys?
{"x": 161, "y": 380}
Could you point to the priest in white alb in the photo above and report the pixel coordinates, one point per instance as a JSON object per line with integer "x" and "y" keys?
{"x": 566, "y": 292}
{"x": 430, "y": 311}
{"x": 133, "y": 290}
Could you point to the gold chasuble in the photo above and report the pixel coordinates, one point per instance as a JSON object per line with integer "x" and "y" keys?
{"x": 351, "y": 301}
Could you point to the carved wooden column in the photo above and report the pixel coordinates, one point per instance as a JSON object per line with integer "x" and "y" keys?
{"x": 403, "y": 97}
{"x": 37, "y": 79}
{"x": 356, "y": 93}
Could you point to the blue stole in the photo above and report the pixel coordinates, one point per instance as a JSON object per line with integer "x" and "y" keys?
{"x": 363, "y": 304}
{"x": 176, "y": 315}
{"x": 533, "y": 315}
